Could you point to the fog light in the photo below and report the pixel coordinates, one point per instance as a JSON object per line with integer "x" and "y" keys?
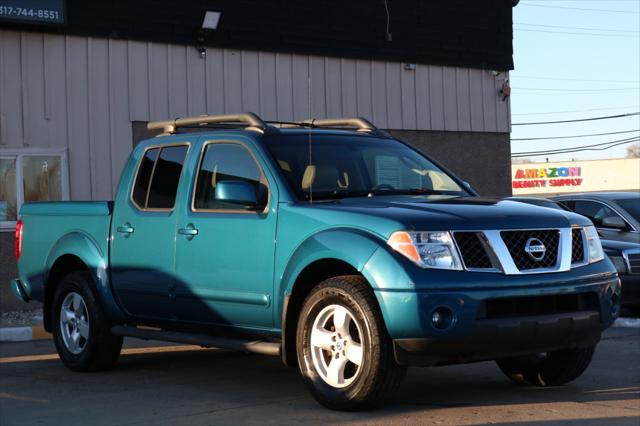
{"x": 442, "y": 318}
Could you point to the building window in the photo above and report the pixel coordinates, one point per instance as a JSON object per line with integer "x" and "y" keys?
{"x": 30, "y": 175}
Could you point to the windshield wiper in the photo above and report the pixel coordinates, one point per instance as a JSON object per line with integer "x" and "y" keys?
{"x": 413, "y": 191}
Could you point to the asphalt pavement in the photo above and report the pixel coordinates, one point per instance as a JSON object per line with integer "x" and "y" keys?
{"x": 160, "y": 384}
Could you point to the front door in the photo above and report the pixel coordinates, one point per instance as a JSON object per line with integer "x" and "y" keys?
{"x": 144, "y": 232}
{"x": 225, "y": 250}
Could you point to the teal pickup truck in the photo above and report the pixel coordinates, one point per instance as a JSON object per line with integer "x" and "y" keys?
{"x": 328, "y": 243}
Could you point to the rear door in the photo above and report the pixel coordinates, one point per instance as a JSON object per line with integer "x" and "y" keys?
{"x": 144, "y": 232}
{"x": 225, "y": 252}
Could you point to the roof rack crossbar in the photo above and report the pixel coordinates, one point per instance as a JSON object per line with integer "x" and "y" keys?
{"x": 358, "y": 122}
{"x": 169, "y": 126}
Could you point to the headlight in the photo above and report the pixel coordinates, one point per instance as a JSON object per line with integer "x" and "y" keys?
{"x": 427, "y": 249}
{"x": 595, "y": 247}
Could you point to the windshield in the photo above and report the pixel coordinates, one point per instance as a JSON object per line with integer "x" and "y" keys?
{"x": 356, "y": 166}
{"x": 632, "y": 206}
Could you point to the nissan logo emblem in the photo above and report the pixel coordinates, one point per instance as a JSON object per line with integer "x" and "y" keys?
{"x": 535, "y": 249}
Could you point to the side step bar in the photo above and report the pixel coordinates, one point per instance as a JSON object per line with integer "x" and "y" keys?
{"x": 255, "y": 346}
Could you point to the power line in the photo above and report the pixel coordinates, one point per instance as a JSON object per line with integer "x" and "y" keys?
{"x": 576, "y": 136}
{"x": 631, "y": 139}
{"x": 574, "y": 149}
{"x": 631, "y": 114}
{"x": 529, "y": 77}
{"x": 631, "y": 12}
{"x": 574, "y": 33}
{"x": 611, "y": 89}
{"x": 578, "y": 28}
{"x": 576, "y": 110}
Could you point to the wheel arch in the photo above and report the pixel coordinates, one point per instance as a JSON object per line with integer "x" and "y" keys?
{"x": 324, "y": 255}
{"x": 78, "y": 251}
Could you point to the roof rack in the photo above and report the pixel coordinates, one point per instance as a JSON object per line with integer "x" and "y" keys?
{"x": 359, "y": 123}
{"x": 170, "y": 126}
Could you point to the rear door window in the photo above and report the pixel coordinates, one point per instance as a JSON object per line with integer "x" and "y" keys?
{"x": 158, "y": 177}
{"x": 144, "y": 177}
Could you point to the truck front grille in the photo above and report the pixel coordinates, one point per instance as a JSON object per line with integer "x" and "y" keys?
{"x": 516, "y": 242}
{"x": 472, "y": 250}
{"x": 577, "y": 246}
{"x": 537, "y": 305}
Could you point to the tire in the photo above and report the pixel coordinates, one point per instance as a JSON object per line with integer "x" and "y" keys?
{"x": 81, "y": 331}
{"x": 550, "y": 369}
{"x": 359, "y": 335}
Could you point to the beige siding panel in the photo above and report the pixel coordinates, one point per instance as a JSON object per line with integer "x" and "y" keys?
{"x": 138, "y": 74}
{"x": 284, "y": 87}
{"x": 463, "y": 93}
{"x": 99, "y": 117}
{"x": 348, "y": 88}
{"x": 55, "y": 91}
{"x": 476, "y": 106}
{"x": 32, "y": 52}
{"x": 450, "y": 98}
{"x": 214, "y": 80}
{"x": 158, "y": 65}
{"x": 423, "y": 108}
{"x": 80, "y": 156}
{"x": 318, "y": 87}
{"x": 363, "y": 80}
{"x": 408, "y": 90}
{"x": 379, "y": 94}
{"x": 436, "y": 97}
{"x": 232, "y": 80}
{"x": 250, "y": 82}
{"x": 178, "y": 94}
{"x": 196, "y": 88}
{"x": 332, "y": 72}
{"x": 11, "y": 101}
{"x": 490, "y": 92}
{"x": 300, "y": 84}
{"x": 268, "y": 94}
{"x": 120, "y": 126}
{"x": 394, "y": 95}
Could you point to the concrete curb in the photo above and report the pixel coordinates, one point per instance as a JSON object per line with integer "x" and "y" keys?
{"x": 23, "y": 334}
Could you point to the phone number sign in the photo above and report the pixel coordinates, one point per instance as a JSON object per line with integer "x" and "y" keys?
{"x": 33, "y": 11}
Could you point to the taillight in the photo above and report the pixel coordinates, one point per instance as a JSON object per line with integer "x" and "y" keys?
{"x": 19, "y": 227}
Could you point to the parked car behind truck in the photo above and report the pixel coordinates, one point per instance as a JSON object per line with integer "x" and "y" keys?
{"x": 329, "y": 243}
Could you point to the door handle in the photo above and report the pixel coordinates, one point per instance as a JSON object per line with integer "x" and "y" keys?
{"x": 125, "y": 229}
{"x": 190, "y": 231}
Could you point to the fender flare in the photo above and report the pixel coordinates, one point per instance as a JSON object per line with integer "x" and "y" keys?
{"x": 85, "y": 248}
{"x": 350, "y": 245}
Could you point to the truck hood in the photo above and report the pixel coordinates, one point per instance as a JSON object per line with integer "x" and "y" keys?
{"x": 453, "y": 213}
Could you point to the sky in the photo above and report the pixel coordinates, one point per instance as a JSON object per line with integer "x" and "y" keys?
{"x": 561, "y": 75}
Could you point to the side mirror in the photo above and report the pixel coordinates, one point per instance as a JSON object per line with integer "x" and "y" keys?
{"x": 614, "y": 222}
{"x": 237, "y": 192}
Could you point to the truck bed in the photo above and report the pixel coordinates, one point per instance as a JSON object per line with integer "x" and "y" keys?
{"x": 50, "y": 228}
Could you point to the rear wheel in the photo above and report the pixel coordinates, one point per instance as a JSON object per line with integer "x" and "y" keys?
{"x": 344, "y": 353}
{"x": 81, "y": 332}
{"x": 548, "y": 369}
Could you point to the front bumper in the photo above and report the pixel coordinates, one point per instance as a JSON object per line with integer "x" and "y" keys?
{"x": 500, "y": 320}
{"x": 501, "y": 338}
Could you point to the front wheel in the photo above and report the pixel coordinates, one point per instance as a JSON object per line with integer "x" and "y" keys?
{"x": 80, "y": 330}
{"x": 548, "y": 369}
{"x": 344, "y": 352}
